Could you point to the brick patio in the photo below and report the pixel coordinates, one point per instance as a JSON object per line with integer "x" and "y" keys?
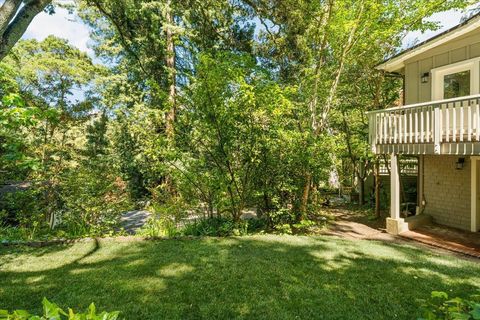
{"x": 447, "y": 238}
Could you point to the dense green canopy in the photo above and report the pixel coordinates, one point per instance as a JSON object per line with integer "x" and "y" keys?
{"x": 214, "y": 107}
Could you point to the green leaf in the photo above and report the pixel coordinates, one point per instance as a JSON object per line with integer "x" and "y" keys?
{"x": 4, "y": 314}
{"x": 476, "y": 312}
{"x": 439, "y": 295}
{"x": 51, "y": 310}
{"x": 460, "y": 316}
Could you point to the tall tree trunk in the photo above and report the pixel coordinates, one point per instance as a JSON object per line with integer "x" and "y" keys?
{"x": 305, "y": 196}
{"x": 361, "y": 181}
{"x": 333, "y": 89}
{"x": 170, "y": 63}
{"x": 314, "y": 102}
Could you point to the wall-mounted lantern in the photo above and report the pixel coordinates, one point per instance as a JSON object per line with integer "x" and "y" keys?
{"x": 460, "y": 163}
{"x": 425, "y": 77}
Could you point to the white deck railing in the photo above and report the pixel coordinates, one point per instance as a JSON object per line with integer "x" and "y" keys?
{"x": 443, "y": 121}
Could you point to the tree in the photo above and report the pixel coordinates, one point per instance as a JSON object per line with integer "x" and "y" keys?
{"x": 50, "y": 75}
{"x": 15, "y": 17}
{"x": 315, "y": 43}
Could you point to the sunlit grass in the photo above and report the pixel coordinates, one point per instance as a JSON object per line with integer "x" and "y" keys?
{"x": 258, "y": 277}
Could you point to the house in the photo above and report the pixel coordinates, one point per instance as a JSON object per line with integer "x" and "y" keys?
{"x": 440, "y": 124}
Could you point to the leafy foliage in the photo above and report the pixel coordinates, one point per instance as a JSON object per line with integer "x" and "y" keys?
{"x": 54, "y": 142}
{"x": 53, "y": 312}
{"x": 216, "y": 227}
{"x": 210, "y": 108}
{"x": 439, "y": 306}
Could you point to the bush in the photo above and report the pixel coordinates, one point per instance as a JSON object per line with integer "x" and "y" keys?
{"x": 216, "y": 227}
{"x": 22, "y": 208}
{"x": 91, "y": 203}
{"x": 281, "y": 217}
{"x": 8, "y": 233}
{"x": 284, "y": 228}
{"x": 303, "y": 226}
{"x": 439, "y": 306}
{"x": 53, "y": 312}
{"x": 159, "y": 227}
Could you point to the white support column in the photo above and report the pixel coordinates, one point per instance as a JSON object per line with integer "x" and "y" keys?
{"x": 475, "y": 219}
{"x": 395, "y": 224}
{"x": 394, "y": 187}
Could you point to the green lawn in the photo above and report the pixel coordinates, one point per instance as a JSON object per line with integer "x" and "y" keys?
{"x": 258, "y": 277}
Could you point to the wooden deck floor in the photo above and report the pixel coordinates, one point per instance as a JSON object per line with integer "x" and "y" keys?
{"x": 447, "y": 238}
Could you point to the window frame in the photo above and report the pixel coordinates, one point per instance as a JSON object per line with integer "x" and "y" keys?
{"x": 438, "y": 74}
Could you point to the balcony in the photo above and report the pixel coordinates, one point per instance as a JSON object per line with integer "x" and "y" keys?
{"x": 449, "y": 126}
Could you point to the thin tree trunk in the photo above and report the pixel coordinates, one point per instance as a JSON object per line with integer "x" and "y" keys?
{"x": 170, "y": 63}
{"x": 333, "y": 89}
{"x": 377, "y": 188}
{"x": 361, "y": 181}
{"x": 305, "y": 196}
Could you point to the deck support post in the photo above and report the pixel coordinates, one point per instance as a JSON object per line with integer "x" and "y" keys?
{"x": 475, "y": 218}
{"x": 395, "y": 224}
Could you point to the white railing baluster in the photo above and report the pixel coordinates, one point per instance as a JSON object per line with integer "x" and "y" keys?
{"x": 385, "y": 124}
{"x": 400, "y": 127}
{"x": 436, "y": 134}
{"x": 395, "y": 127}
{"x": 477, "y": 133}
{"x": 411, "y": 126}
{"x": 380, "y": 128}
{"x": 447, "y": 123}
{"x": 454, "y": 120}
{"x": 462, "y": 121}
{"x": 450, "y": 121}
{"x": 442, "y": 123}
{"x": 422, "y": 140}
{"x": 389, "y": 128}
{"x": 416, "y": 126}
{"x": 469, "y": 122}
{"x": 371, "y": 125}
{"x": 427, "y": 130}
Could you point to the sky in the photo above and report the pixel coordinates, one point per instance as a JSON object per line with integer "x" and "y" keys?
{"x": 68, "y": 26}
{"x": 61, "y": 24}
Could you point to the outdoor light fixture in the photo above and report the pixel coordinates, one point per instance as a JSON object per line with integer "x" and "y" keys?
{"x": 425, "y": 77}
{"x": 460, "y": 163}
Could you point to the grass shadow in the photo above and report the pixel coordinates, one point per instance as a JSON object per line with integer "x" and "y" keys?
{"x": 259, "y": 277}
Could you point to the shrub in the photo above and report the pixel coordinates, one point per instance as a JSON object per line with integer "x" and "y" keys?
{"x": 303, "y": 226}
{"x": 216, "y": 227}
{"x": 257, "y": 225}
{"x": 53, "y": 312}
{"x": 280, "y": 217}
{"x": 439, "y": 306}
{"x": 159, "y": 227}
{"x": 284, "y": 228}
{"x": 21, "y": 208}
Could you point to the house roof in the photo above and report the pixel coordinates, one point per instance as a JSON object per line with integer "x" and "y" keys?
{"x": 397, "y": 62}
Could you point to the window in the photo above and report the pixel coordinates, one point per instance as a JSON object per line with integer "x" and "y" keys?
{"x": 456, "y": 85}
{"x": 456, "y": 80}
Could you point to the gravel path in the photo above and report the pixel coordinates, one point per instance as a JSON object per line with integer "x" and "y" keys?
{"x": 131, "y": 221}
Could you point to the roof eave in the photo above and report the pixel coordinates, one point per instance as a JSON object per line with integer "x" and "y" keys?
{"x": 397, "y": 62}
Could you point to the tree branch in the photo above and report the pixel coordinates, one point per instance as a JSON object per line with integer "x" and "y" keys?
{"x": 7, "y": 12}
{"x": 16, "y": 28}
